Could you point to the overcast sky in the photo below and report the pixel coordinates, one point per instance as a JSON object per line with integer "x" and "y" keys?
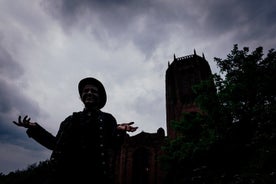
{"x": 48, "y": 46}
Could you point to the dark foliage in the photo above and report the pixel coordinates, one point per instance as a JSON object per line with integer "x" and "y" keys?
{"x": 33, "y": 174}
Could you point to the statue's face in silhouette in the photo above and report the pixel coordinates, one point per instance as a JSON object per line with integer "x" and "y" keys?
{"x": 90, "y": 96}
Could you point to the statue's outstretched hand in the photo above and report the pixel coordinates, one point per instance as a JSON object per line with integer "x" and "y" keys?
{"x": 25, "y": 122}
{"x": 127, "y": 127}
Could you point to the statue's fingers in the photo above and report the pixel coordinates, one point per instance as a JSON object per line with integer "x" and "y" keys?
{"x": 19, "y": 119}
{"x": 15, "y": 123}
{"x": 25, "y": 118}
{"x": 130, "y": 123}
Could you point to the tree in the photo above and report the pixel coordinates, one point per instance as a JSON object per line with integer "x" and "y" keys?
{"x": 232, "y": 140}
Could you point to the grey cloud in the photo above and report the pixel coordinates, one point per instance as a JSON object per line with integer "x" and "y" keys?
{"x": 13, "y": 103}
{"x": 145, "y": 106}
{"x": 8, "y": 67}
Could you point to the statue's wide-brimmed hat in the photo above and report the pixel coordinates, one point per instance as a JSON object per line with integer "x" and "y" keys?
{"x": 96, "y": 82}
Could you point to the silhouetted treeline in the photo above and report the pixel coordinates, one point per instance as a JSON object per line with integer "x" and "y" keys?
{"x": 33, "y": 174}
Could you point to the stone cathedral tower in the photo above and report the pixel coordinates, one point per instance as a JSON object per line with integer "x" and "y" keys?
{"x": 181, "y": 75}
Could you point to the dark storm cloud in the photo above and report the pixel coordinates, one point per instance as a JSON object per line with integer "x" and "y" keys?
{"x": 252, "y": 19}
{"x": 71, "y": 11}
{"x": 115, "y": 13}
{"x": 146, "y": 22}
{"x": 13, "y": 103}
{"x": 246, "y": 20}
